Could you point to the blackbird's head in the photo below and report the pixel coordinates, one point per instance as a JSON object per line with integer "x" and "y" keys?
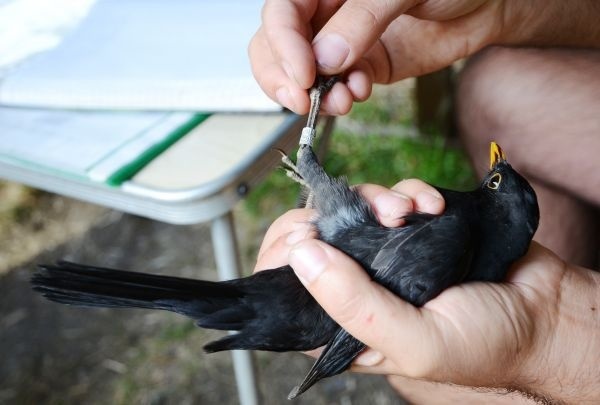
{"x": 507, "y": 186}
{"x": 511, "y": 212}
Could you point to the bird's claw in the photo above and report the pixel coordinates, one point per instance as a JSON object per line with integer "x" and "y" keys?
{"x": 290, "y": 168}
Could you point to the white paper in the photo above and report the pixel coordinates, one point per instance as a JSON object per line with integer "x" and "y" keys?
{"x": 81, "y": 143}
{"x": 148, "y": 54}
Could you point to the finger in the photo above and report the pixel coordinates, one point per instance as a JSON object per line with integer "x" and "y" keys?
{"x": 369, "y": 361}
{"x": 389, "y": 206}
{"x": 441, "y": 10}
{"x": 373, "y": 362}
{"x": 360, "y": 80}
{"x": 277, "y": 253}
{"x": 338, "y": 101}
{"x": 293, "y": 220}
{"x": 357, "y": 86}
{"x": 352, "y": 31}
{"x": 365, "y": 309}
{"x": 315, "y": 352}
{"x": 369, "y": 358}
{"x": 426, "y": 198}
{"x": 272, "y": 79}
{"x": 273, "y": 256}
{"x": 415, "y": 47}
{"x": 325, "y": 9}
{"x": 288, "y": 32}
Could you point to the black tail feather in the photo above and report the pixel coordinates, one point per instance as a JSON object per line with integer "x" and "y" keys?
{"x": 271, "y": 310}
{"x": 76, "y": 284}
{"x": 335, "y": 359}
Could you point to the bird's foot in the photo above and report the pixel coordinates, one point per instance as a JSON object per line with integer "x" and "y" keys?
{"x": 291, "y": 170}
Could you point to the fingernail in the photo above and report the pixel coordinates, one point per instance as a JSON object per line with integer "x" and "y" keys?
{"x": 308, "y": 261}
{"x": 428, "y": 201}
{"x": 392, "y": 204}
{"x": 331, "y": 51}
{"x": 369, "y": 358}
{"x": 284, "y": 97}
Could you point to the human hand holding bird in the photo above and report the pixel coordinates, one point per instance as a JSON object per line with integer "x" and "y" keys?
{"x": 517, "y": 334}
{"x": 473, "y": 334}
{"x": 536, "y": 332}
{"x": 480, "y": 234}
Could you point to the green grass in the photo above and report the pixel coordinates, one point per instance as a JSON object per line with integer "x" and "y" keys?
{"x": 384, "y": 110}
{"x": 370, "y": 154}
{"x": 385, "y": 160}
{"x": 372, "y": 113}
{"x": 372, "y": 158}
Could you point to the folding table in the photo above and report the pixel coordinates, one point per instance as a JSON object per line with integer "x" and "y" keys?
{"x": 200, "y": 178}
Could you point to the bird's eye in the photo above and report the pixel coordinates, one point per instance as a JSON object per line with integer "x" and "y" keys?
{"x": 494, "y": 181}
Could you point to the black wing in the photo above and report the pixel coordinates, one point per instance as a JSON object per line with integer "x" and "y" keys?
{"x": 421, "y": 261}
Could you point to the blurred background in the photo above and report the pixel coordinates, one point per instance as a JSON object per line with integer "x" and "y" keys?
{"x": 53, "y": 354}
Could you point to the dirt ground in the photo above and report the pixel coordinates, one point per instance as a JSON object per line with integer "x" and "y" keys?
{"x": 54, "y": 354}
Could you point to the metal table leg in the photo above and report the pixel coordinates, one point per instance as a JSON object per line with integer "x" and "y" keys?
{"x": 228, "y": 265}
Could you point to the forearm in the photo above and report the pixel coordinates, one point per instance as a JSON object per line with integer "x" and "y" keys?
{"x": 551, "y": 23}
{"x": 567, "y": 368}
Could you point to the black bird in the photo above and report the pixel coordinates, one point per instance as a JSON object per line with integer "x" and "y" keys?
{"x": 478, "y": 236}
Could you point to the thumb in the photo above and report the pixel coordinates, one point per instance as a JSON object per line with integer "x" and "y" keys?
{"x": 362, "y": 307}
{"x": 352, "y": 31}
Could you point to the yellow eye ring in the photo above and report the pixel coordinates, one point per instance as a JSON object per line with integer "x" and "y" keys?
{"x": 494, "y": 181}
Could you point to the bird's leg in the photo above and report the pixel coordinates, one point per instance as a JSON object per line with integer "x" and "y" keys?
{"x": 338, "y": 206}
{"x": 317, "y": 92}
{"x": 306, "y": 159}
{"x": 321, "y": 86}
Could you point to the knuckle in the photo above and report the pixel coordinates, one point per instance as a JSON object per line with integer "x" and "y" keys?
{"x": 353, "y": 311}
{"x": 367, "y": 14}
{"x": 408, "y": 184}
{"x": 411, "y": 187}
{"x": 374, "y": 15}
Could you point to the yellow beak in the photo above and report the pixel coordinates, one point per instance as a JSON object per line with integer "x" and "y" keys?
{"x": 496, "y": 154}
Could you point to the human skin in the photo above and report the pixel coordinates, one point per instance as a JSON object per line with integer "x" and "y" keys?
{"x": 380, "y": 44}
{"x": 537, "y": 103}
{"x": 538, "y": 332}
{"x": 382, "y": 41}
